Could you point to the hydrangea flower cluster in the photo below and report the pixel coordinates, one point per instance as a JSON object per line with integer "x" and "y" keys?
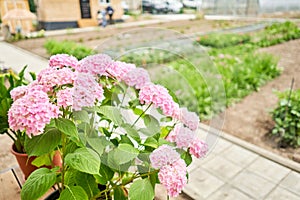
{"x": 162, "y": 156}
{"x": 32, "y": 112}
{"x": 95, "y": 64}
{"x": 70, "y": 85}
{"x": 198, "y": 148}
{"x": 86, "y": 91}
{"x": 137, "y": 77}
{"x": 119, "y": 70}
{"x": 173, "y": 177}
{"x": 62, "y": 60}
{"x": 51, "y": 77}
{"x": 159, "y": 96}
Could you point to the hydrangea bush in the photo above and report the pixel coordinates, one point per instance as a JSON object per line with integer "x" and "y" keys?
{"x": 118, "y": 133}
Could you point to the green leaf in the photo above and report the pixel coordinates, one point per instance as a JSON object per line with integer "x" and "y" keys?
{"x": 21, "y": 76}
{"x": 33, "y": 75}
{"x": 151, "y": 142}
{"x": 106, "y": 172}
{"x": 119, "y": 194}
{"x": 67, "y": 127}
{"x": 98, "y": 144}
{"x": 132, "y": 132}
{"x": 153, "y": 179}
{"x": 38, "y": 183}
{"x": 88, "y": 183}
{"x": 138, "y": 111}
{"x": 44, "y": 143}
{"x": 126, "y": 140}
{"x": 187, "y": 158}
{"x": 100, "y": 179}
{"x": 42, "y": 160}
{"x": 141, "y": 190}
{"x": 82, "y": 115}
{"x": 84, "y": 160}
{"x": 112, "y": 113}
{"x": 122, "y": 154}
{"x": 70, "y": 176}
{"x": 152, "y": 123}
{"x": 73, "y": 193}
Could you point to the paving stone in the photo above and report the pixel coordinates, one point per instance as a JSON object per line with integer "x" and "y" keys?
{"x": 239, "y": 155}
{"x": 161, "y": 194}
{"x": 292, "y": 182}
{"x": 220, "y": 146}
{"x": 282, "y": 194}
{"x": 197, "y": 163}
{"x": 202, "y": 184}
{"x": 268, "y": 169}
{"x": 222, "y": 168}
{"x": 9, "y": 187}
{"x": 228, "y": 192}
{"x": 252, "y": 184}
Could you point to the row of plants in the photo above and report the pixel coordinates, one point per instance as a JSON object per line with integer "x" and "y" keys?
{"x": 67, "y": 47}
{"x": 273, "y": 34}
{"x": 286, "y": 116}
{"x": 238, "y": 66}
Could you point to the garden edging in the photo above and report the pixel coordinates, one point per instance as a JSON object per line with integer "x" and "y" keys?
{"x": 262, "y": 152}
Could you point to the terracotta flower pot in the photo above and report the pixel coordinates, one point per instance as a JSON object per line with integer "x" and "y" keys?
{"x": 25, "y": 163}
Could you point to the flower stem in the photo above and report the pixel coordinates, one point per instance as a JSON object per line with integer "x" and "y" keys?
{"x": 141, "y": 115}
{"x": 120, "y": 105}
{"x": 63, "y": 136}
{"x": 12, "y": 137}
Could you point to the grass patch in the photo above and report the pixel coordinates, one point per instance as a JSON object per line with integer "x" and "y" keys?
{"x": 69, "y": 47}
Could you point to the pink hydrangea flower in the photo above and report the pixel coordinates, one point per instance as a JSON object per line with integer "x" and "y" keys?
{"x": 190, "y": 119}
{"x": 95, "y": 64}
{"x": 159, "y": 97}
{"x": 173, "y": 177}
{"x": 137, "y": 77}
{"x": 173, "y": 133}
{"x": 63, "y": 60}
{"x": 163, "y": 155}
{"x": 65, "y": 97}
{"x": 119, "y": 69}
{"x": 86, "y": 91}
{"x": 198, "y": 148}
{"x": 18, "y": 92}
{"x": 51, "y": 77}
{"x": 31, "y": 113}
{"x": 184, "y": 137}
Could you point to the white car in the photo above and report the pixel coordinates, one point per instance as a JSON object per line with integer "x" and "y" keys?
{"x": 192, "y": 3}
{"x": 174, "y": 6}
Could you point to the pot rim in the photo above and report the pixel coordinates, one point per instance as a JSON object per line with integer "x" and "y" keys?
{"x": 13, "y": 151}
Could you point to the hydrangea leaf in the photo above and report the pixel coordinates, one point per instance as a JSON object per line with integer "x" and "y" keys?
{"x": 67, "y": 127}
{"x": 141, "y": 190}
{"x": 73, "y": 193}
{"x": 38, "y": 183}
{"x": 44, "y": 143}
{"x": 84, "y": 160}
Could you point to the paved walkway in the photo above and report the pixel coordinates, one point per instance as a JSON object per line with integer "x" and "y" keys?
{"x": 237, "y": 170}
{"x": 233, "y": 170}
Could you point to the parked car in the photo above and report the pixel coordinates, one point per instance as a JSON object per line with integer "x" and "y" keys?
{"x": 154, "y": 6}
{"x": 174, "y": 6}
{"x": 192, "y": 3}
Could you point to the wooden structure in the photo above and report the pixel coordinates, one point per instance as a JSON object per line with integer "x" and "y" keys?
{"x": 24, "y": 25}
{"x": 57, "y": 14}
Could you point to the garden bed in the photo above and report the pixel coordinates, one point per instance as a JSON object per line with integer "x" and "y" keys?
{"x": 248, "y": 119}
